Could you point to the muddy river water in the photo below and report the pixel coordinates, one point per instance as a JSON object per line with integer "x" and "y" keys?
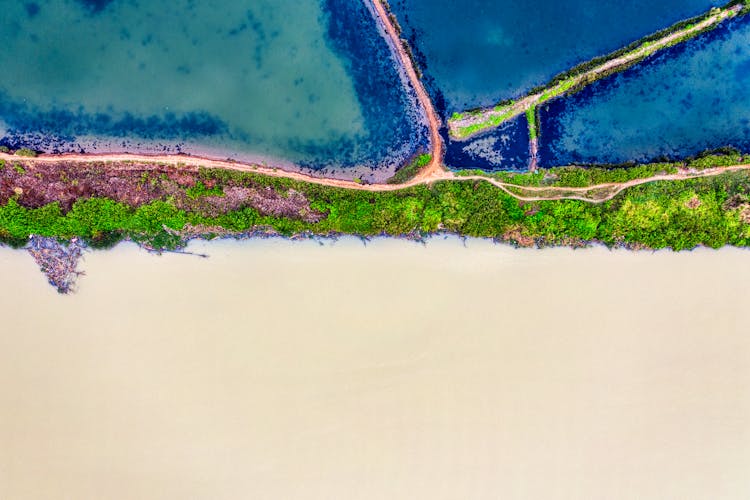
{"x": 288, "y": 370}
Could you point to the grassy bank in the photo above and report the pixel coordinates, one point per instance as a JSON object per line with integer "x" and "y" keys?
{"x": 532, "y": 123}
{"x": 676, "y": 214}
{"x": 411, "y": 169}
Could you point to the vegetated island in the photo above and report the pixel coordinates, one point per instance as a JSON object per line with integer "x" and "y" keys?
{"x": 57, "y": 205}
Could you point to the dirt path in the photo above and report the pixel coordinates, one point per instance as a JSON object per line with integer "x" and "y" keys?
{"x": 506, "y": 113}
{"x": 434, "y": 170}
{"x": 533, "y": 154}
{"x": 426, "y": 176}
{"x": 611, "y": 189}
{"x": 523, "y": 193}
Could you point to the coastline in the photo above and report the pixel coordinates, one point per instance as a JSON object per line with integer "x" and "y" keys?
{"x": 163, "y": 205}
{"x": 371, "y": 154}
{"x": 435, "y": 170}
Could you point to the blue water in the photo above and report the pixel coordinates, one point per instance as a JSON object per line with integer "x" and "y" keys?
{"x": 305, "y": 83}
{"x": 687, "y": 99}
{"x": 505, "y": 148}
{"x": 478, "y": 52}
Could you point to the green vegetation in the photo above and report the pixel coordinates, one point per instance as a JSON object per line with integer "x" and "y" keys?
{"x": 643, "y": 42}
{"x": 722, "y": 157}
{"x": 559, "y": 89}
{"x": 578, "y": 176}
{"x": 744, "y": 3}
{"x": 712, "y": 211}
{"x": 26, "y": 152}
{"x": 491, "y": 121}
{"x": 4, "y": 149}
{"x": 591, "y": 175}
{"x": 407, "y": 172}
{"x": 200, "y": 190}
{"x": 531, "y": 120}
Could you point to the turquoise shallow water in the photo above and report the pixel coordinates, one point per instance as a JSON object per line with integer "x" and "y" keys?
{"x": 688, "y": 99}
{"x": 309, "y": 82}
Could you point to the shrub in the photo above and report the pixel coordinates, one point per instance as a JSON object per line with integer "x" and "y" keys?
{"x": 26, "y": 152}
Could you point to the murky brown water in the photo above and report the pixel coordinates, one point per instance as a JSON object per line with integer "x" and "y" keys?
{"x": 279, "y": 370}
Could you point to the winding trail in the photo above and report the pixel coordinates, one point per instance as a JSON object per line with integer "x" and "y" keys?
{"x": 523, "y": 193}
{"x": 433, "y": 170}
{"x": 611, "y": 189}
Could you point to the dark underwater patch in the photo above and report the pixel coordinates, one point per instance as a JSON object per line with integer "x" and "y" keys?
{"x": 23, "y": 121}
{"x": 32, "y": 9}
{"x": 388, "y": 110}
{"x": 95, "y": 6}
{"x": 506, "y": 149}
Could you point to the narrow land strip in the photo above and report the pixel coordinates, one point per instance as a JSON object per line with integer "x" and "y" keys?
{"x": 434, "y": 170}
{"x": 597, "y": 193}
{"x": 465, "y": 125}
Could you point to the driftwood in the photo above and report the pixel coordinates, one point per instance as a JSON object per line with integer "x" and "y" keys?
{"x": 58, "y": 261}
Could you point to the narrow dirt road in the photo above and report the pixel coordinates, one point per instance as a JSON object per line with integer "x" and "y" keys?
{"x": 434, "y": 170}
{"x": 563, "y": 193}
{"x": 612, "y": 188}
{"x": 431, "y": 175}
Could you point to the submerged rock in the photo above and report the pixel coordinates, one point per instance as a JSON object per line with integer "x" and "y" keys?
{"x": 58, "y": 261}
